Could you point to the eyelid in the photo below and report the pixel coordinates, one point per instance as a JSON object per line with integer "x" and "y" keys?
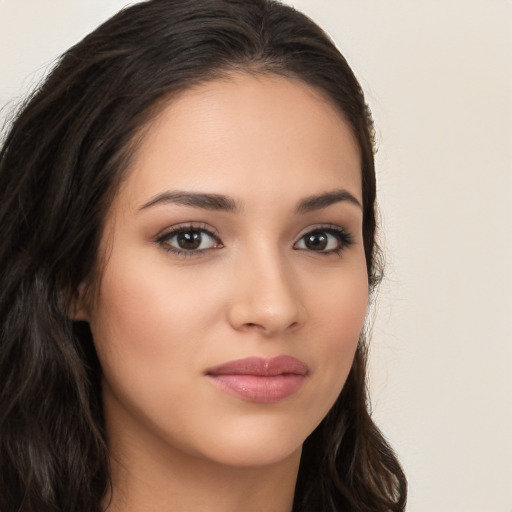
{"x": 193, "y": 225}
{"x": 346, "y": 239}
{"x": 171, "y": 231}
{"x": 326, "y": 227}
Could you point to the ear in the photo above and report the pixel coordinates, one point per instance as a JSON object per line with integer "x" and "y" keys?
{"x": 79, "y": 310}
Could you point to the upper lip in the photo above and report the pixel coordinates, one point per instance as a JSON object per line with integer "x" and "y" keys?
{"x": 261, "y": 366}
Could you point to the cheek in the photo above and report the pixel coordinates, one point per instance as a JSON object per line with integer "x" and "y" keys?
{"x": 144, "y": 309}
{"x": 340, "y": 310}
{"x": 150, "y": 330}
{"x": 147, "y": 327}
{"x": 338, "y": 301}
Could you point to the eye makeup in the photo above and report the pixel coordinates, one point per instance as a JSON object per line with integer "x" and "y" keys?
{"x": 325, "y": 240}
{"x": 194, "y": 239}
{"x": 190, "y": 239}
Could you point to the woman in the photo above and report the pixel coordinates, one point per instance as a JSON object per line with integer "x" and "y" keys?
{"x": 188, "y": 226}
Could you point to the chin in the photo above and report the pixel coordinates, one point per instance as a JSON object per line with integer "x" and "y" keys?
{"x": 255, "y": 455}
{"x": 254, "y": 445}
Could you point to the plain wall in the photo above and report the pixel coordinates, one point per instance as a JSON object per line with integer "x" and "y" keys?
{"x": 438, "y": 77}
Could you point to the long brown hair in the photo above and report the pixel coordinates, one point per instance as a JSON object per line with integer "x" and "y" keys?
{"x": 60, "y": 164}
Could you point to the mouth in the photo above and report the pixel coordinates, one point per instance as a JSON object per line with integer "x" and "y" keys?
{"x": 257, "y": 379}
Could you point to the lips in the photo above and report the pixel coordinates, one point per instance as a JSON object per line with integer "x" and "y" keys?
{"x": 261, "y": 380}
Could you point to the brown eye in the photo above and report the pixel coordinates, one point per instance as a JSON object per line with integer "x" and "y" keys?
{"x": 316, "y": 241}
{"x": 189, "y": 240}
{"x": 325, "y": 240}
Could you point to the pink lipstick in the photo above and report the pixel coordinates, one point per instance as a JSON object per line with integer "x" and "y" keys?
{"x": 257, "y": 379}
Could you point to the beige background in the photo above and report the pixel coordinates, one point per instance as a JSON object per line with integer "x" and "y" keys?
{"x": 438, "y": 76}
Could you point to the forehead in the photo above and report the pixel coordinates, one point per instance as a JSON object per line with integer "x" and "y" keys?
{"x": 243, "y": 135}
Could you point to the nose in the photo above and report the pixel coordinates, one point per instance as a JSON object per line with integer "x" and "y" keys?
{"x": 267, "y": 298}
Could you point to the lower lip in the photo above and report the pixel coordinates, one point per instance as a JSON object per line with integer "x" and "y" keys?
{"x": 263, "y": 389}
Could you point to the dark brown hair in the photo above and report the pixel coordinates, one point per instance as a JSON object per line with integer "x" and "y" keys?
{"x": 60, "y": 165}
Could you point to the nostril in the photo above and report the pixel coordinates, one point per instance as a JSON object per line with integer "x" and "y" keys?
{"x": 249, "y": 326}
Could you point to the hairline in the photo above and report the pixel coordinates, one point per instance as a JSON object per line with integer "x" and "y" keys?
{"x": 150, "y": 116}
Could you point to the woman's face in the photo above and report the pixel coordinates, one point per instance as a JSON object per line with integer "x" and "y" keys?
{"x": 235, "y": 239}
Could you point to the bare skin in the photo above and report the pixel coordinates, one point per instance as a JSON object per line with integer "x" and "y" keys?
{"x": 278, "y": 270}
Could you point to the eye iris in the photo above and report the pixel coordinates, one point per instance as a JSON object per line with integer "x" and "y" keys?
{"x": 189, "y": 240}
{"x": 316, "y": 241}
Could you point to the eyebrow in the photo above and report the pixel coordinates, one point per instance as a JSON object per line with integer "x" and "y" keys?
{"x": 224, "y": 203}
{"x": 196, "y": 200}
{"x": 320, "y": 201}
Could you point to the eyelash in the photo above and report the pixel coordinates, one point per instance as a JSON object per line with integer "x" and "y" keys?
{"x": 344, "y": 239}
{"x": 164, "y": 239}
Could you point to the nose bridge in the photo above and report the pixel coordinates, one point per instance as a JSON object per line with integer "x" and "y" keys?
{"x": 267, "y": 298}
